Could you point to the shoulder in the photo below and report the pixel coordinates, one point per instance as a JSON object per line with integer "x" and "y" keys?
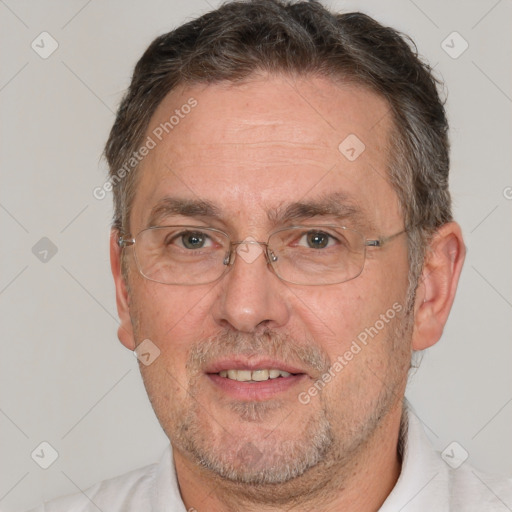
{"x": 128, "y": 492}
{"x": 473, "y": 490}
{"x": 443, "y": 482}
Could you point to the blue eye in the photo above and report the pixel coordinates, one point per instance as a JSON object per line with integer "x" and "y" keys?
{"x": 191, "y": 240}
{"x": 316, "y": 240}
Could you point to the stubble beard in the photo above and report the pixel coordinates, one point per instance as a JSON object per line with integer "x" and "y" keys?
{"x": 257, "y": 462}
{"x": 280, "y": 468}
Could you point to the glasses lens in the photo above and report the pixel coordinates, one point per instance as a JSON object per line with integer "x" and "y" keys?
{"x": 315, "y": 255}
{"x": 183, "y": 255}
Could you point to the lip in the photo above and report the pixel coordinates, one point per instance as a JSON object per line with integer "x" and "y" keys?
{"x": 254, "y": 391}
{"x": 240, "y": 363}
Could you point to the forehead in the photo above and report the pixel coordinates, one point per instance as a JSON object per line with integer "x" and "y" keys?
{"x": 256, "y": 146}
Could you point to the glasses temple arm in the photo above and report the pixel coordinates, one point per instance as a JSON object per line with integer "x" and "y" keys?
{"x": 379, "y": 242}
{"x": 125, "y": 242}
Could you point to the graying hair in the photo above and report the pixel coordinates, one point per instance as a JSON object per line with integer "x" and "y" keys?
{"x": 243, "y": 38}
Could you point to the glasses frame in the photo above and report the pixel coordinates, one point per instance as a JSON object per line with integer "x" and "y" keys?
{"x": 229, "y": 260}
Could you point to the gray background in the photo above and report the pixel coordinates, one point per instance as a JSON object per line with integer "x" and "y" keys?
{"x": 65, "y": 377}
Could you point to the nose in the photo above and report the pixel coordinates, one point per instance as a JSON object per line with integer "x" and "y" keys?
{"x": 251, "y": 297}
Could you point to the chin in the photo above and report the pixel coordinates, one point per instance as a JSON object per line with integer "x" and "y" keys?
{"x": 254, "y": 448}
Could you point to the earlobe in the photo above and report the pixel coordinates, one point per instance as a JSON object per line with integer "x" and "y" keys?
{"x": 438, "y": 283}
{"x": 125, "y": 330}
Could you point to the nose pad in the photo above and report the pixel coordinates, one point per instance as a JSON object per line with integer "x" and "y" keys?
{"x": 271, "y": 256}
{"x": 229, "y": 258}
{"x": 255, "y": 250}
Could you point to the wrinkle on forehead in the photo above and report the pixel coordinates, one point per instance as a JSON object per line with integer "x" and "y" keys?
{"x": 256, "y": 146}
{"x": 302, "y": 108}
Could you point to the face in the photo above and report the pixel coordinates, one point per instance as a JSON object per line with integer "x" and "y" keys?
{"x": 266, "y": 155}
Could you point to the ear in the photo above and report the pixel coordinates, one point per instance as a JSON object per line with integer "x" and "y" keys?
{"x": 125, "y": 330}
{"x": 435, "y": 293}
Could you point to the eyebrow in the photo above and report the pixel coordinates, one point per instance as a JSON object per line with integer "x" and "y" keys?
{"x": 337, "y": 205}
{"x": 170, "y": 206}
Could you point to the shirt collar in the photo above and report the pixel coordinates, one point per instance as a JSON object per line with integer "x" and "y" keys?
{"x": 166, "y": 495}
{"x": 422, "y": 482}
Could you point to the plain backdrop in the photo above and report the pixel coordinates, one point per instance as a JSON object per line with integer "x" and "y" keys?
{"x": 65, "y": 378}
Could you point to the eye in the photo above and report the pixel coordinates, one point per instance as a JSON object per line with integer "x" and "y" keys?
{"x": 192, "y": 240}
{"x": 316, "y": 240}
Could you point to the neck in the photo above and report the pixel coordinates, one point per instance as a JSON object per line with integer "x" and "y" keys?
{"x": 361, "y": 483}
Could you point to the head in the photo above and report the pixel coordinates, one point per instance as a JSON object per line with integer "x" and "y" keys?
{"x": 256, "y": 117}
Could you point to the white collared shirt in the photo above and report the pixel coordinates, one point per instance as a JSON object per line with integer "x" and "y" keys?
{"x": 426, "y": 484}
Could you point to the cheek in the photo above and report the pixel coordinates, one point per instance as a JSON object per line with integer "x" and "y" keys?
{"x": 336, "y": 316}
{"x": 168, "y": 309}
{"x": 356, "y": 327}
{"x": 173, "y": 318}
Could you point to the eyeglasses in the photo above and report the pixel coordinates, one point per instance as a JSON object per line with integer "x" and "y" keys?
{"x": 303, "y": 255}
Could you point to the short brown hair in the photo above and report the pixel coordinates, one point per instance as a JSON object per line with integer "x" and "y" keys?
{"x": 242, "y": 38}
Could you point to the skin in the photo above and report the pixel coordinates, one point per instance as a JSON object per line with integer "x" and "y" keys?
{"x": 252, "y": 148}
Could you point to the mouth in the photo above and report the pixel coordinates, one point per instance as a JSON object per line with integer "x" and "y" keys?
{"x": 254, "y": 380}
{"x": 259, "y": 375}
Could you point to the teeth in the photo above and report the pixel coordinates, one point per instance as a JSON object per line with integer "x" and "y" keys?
{"x": 255, "y": 375}
{"x": 259, "y": 375}
{"x": 243, "y": 375}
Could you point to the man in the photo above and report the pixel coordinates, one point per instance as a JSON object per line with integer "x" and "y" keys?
{"x": 282, "y": 245}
